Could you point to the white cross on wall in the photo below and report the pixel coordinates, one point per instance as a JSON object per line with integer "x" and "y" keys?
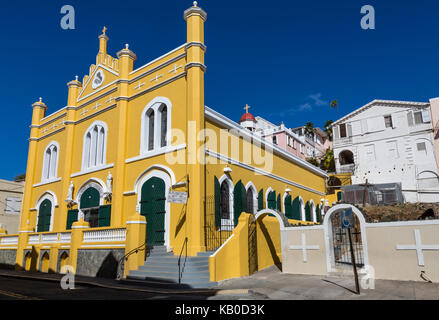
{"x": 83, "y": 112}
{"x": 54, "y": 126}
{"x": 174, "y": 70}
{"x": 96, "y": 106}
{"x": 141, "y": 84}
{"x": 109, "y": 99}
{"x": 418, "y": 246}
{"x": 157, "y": 76}
{"x": 44, "y": 130}
{"x": 304, "y": 247}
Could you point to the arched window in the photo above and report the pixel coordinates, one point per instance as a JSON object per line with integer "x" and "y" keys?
{"x": 150, "y": 128}
{"x": 250, "y": 200}
{"x": 163, "y": 125}
{"x": 225, "y": 201}
{"x": 94, "y": 146}
{"x": 50, "y": 162}
{"x": 156, "y": 124}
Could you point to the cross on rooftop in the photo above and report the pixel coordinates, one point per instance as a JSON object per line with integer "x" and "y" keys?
{"x": 246, "y": 108}
{"x": 103, "y": 30}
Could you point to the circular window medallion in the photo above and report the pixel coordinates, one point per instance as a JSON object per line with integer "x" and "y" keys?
{"x": 98, "y": 79}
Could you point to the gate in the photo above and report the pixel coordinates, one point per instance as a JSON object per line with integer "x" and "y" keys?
{"x": 340, "y": 238}
{"x": 252, "y": 245}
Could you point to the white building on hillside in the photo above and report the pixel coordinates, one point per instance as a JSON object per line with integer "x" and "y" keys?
{"x": 389, "y": 142}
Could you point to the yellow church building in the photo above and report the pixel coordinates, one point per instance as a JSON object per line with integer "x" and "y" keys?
{"x": 137, "y": 160}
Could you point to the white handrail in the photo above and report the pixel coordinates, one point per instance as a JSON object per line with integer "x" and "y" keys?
{"x": 107, "y": 235}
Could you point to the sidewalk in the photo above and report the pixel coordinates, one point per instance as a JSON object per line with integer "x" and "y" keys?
{"x": 272, "y": 284}
{"x": 266, "y": 284}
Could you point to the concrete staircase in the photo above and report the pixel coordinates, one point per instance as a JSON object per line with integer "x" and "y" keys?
{"x": 161, "y": 270}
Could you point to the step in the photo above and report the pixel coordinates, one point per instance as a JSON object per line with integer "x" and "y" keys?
{"x": 170, "y": 258}
{"x": 164, "y": 285}
{"x": 174, "y": 268}
{"x": 170, "y": 274}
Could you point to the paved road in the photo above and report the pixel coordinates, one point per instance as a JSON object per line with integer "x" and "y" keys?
{"x": 28, "y": 289}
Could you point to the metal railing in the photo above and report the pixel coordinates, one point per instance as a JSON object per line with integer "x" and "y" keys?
{"x": 121, "y": 263}
{"x": 181, "y": 269}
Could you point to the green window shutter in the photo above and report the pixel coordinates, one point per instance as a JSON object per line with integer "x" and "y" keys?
{"x": 272, "y": 200}
{"x": 239, "y": 201}
{"x": 288, "y": 207}
{"x": 104, "y": 216}
{"x": 319, "y": 214}
{"x": 261, "y": 199}
{"x": 90, "y": 198}
{"x": 278, "y": 203}
{"x": 217, "y": 203}
{"x": 308, "y": 212}
{"x": 72, "y": 216}
{"x": 296, "y": 209}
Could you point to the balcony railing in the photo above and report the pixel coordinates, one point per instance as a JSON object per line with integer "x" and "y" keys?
{"x": 347, "y": 168}
{"x": 105, "y": 235}
{"x": 8, "y": 240}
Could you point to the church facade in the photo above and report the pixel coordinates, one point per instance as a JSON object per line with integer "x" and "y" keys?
{"x": 136, "y": 156}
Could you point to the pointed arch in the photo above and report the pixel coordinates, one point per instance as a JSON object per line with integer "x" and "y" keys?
{"x": 50, "y": 162}
{"x": 94, "y": 145}
{"x": 252, "y": 197}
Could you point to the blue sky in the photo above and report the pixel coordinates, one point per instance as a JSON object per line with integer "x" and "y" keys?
{"x": 286, "y": 59}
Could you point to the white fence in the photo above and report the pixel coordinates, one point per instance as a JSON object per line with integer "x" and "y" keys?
{"x": 405, "y": 250}
{"x": 106, "y": 235}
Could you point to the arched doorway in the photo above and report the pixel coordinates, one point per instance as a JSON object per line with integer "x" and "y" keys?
{"x": 337, "y": 241}
{"x": 44, "y": 216}
{"x": 63, "y": 261}
{"x": 153, "y": 207}
{"x": 28, "y": 261}
{"x": 45, "y": 262}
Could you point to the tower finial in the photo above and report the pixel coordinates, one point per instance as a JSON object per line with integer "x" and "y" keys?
{"x": 127, "y": 46}
{"x": 246, "y": 108}
{"x": 104, "y": 30}
{"x": 195, "y": 3}
{"x": 41, "y": 99}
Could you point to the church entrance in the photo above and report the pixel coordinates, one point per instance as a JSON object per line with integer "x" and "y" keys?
{"x": 153, "y": 207}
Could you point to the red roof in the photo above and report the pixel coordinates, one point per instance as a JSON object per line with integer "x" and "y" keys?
{"x": 247, "y": 117}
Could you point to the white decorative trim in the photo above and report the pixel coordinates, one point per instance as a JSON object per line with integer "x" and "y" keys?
{"x": 419, "y": 247}
{"x": 402, "y": 223}
{"x": 159, "y": 58}
{"x": 228, "y": 222}
{"x": 156, "y": 152}
{"x": 158, "y": 167}
{"x": 255, "y": 195}
{"x": 261, "y": 172}
{"x": 136, "y": 222}
{"x": 168, "y": 179}
{"x": 94, "y": 169}
{"x": 226, "y": 122}
{"x": 267, "y": 193}
{"x": 98, "y": 123}
{"x": 46, "y": 182}
{"x": 156, "y": 106}
{"x": 225, "y": 242}
{"x": 103, "y": 246}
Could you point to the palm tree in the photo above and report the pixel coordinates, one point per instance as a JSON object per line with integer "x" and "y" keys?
{"x": 328, "y": 129}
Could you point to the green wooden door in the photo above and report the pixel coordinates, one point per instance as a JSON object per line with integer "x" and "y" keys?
{"x": 296, "y": 209}
{"x": 271, "y": 200}
{"x": 261, "y": 200}
{"x": 44, "y": 215}
{"x": 152, "y": 206}
{"x": 72, "y": 216}
{"x": 288, "y": 207}
{"x": 239, "y": 201}
{"x": 308, "y": 212}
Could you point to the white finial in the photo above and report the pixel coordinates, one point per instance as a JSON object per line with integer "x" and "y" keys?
{"x": 76, "y": 78}
{"x": 195, "y": 3}
{"x": 41, "y": 99}
{"x": 126, "y": 46}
